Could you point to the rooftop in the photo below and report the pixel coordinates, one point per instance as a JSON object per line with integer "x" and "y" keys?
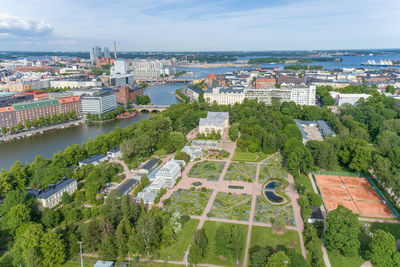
{"x": 150, "y": 164}
{"x": 126, "y": 186}
{"x": 93, "y": 159}
{"x": 36, "y": 104}
{"x": 52, "y": 188}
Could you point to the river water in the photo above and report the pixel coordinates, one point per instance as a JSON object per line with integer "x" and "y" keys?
{"x": 26, "y": 149}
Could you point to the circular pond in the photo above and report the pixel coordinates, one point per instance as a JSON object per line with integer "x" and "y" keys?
{"x": 269, "y": 193}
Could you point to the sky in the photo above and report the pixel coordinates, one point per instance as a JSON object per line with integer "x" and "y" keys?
{"x": 198, "y": 25}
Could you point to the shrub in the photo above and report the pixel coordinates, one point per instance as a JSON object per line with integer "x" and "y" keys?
{"x": 315, "y": 199}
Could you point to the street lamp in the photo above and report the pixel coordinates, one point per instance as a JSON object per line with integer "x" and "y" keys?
{"x": 80, "y": 246}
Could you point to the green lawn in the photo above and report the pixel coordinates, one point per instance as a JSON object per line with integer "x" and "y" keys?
{"x": 231, "y": 206}
{"x": 239, "y": 171}
{"x": 245, "y": 156}
{"x": 392, "y": 228}
{"x": 338, "y": 260}
{"x": 263, "y": 236}
{"x": 210, "y": 229}
{"x": 87, "y": 262}
{"x": 178, "y": 249}
{"x": 305, "y": 180}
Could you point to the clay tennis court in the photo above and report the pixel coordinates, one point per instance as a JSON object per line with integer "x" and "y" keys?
{"x": 354, "y": 193}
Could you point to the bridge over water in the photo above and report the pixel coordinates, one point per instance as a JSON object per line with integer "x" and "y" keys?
{"x": 150, "y": 108}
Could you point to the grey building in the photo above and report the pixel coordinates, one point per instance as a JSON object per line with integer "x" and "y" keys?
{"x": 99, "y": 103}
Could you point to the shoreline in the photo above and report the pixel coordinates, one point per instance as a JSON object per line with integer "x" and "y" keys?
{"x": 42, "y": 130}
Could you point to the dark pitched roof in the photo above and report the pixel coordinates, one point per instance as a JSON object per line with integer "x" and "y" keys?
{"x": 150, "y": 164}
{"x": 93, "y": 159}
{"x": 126, "y": 186}
{"x": 52, "y": 188}
{"x": 316, "y": 213}
{"x": 114, "y": 149}
{"x": 195, "y": 89}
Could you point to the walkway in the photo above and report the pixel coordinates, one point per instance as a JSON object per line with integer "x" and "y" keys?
{"x": 324, "y": 214}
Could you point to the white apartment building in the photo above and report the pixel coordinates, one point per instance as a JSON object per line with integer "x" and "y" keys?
{"x": 99, "y": 103}
{"x": 121, "y": 67}
{"x": 228, "y": 96}
{"x": 224, "y": 96}
{"x": 79, "y": 83}
{"x": 304, "y": 96}
{"x": 147, "y": 69}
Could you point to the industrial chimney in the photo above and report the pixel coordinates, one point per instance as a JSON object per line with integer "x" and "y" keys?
{"x": 115, "y": 50}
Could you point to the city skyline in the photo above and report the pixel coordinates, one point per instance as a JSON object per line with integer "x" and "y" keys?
{"x": 177, "y": 25}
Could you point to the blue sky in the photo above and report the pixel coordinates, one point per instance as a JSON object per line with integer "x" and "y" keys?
{"x": 187, "y": 25}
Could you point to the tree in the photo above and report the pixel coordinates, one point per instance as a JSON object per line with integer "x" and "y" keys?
{"x": 124, "y": 230}
{"x": 278, "y": 226}
{"x": 176, "y": 141}
{"x": 28, "y": 124}
{"x": 20, "y": 126}
{"x": 4, "y": 129}
{"x": 221, "y": 239}
{"x": 91, "y": 236}
{"x": 235, "y": 243}
{"x": 233, "y": 133}
{"x": 278, "y": 259}
{"x": 17, "y": 216}
{"x": 382, "y": 249}
{"x": 342, "y": 231}
{"x": 259, "y": 256}
{"x": 50, "y": 218}
{"x": 26, "y": 249}
{"x": 52, "y": 248}
{"x": 147, "y": 233}
{"x": 199, "y": 247}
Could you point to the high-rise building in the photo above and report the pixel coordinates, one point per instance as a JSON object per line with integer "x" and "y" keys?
{"x": 99, "y": 103}
{"x": 106, "y": 52}
{"x": 95, "y": 53}
{"x": 120, "y": 67}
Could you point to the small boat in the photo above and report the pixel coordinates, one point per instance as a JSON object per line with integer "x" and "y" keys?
{"x": 126, "y": 115}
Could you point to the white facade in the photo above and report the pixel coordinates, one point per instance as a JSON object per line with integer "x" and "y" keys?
{"x": 121, "y": 67}
{"x": 304, "y": 96}
{"x": 74, "y": 84}
{"x": 170, "y": 172}
{"x": 224, "y": 96}
{"x": 351, "y": 99}
{"x": 99, "y": 104}
{"x": 53, "y": 195}
{"x": 299, "y": 95}
{"x": 147, "y": 69}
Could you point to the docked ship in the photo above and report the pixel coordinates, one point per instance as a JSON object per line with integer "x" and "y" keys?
{"x": 381, "y": 63}
{"x": 126, "y": 115}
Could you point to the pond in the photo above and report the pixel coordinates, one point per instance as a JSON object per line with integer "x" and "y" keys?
{"x": 269, "y": 193}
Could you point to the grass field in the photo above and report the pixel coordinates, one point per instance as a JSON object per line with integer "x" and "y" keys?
{"x": 210, "y": 170}
{"x": 263, "y": 236}
{"x": 210, "y": 229}
{"x": 188, "y": 202}
{"x": 245, "y": 156}
{"x": 87, "y": 262}
{"x": 176, "y": 252}
{"x": 231, "y": 206}
{"x": 338, "y": 260}
{"x": 392, "y": 228}
{"x": 239, "y": 171}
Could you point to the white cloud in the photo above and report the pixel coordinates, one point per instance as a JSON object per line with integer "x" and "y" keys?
{"x": 19, "y": 26}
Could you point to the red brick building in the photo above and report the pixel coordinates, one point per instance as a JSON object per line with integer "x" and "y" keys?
{"x": 34, "y": 68}
{"x": 126, "y": 93}
{"x": 70, "y": 103}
